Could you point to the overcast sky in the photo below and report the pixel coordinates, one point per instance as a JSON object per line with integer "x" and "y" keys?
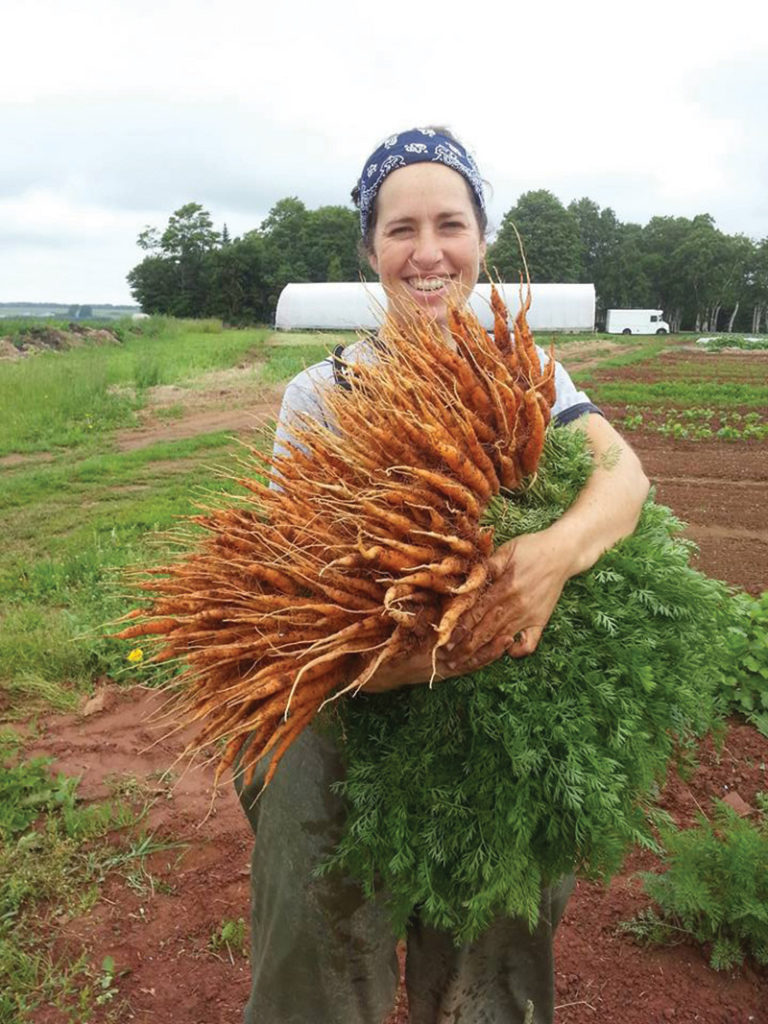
{"x": 113, "y": 113}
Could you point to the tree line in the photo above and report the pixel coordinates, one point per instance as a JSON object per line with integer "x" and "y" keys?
{"x": 703, "y": 279}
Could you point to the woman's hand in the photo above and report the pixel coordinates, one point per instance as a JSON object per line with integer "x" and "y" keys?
{"x": 413, "y": 669}
{"x": 528, "y": 573}
{"x": 527, "y": 577}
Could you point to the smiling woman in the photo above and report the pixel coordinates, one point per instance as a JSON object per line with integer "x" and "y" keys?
{"x": 320, "y": 950}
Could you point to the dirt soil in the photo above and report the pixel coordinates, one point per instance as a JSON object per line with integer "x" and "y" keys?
{"x": 42, "y": 338}
{"x": 233, "y": 400}
{"x": 161, "y": 939}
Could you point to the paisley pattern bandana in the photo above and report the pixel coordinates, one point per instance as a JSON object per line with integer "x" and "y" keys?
{"x": 418, "y": 146}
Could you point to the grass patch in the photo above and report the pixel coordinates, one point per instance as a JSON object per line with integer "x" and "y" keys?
{"x": 679, "y": 393}
{"x": 283, "y": 363}
{"x": 70, "y": 529}
{"x": 72, "y": 399}
{"x": 330, "y": 339}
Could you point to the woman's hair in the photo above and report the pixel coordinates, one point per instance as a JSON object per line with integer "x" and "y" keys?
{"x": 365, "y": 246}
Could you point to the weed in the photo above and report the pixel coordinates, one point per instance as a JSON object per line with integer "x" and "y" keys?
{"x": 231, "y": 935}
{"x": 27, "y": 790}
{"x": 54, "y": 854}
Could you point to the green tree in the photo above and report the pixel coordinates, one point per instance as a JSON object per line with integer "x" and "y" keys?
{"x": 756, "y": 287}
{"x": 624, "y": 282}
{"x": 550, "y": 236}
{"x": 236, "y": 281}
{"x": 173, "y": 276}
{"x": 610, "y": 257}
{"x": 285, "y": 246}
{"x": 153, "y": 284}
{"x": 335, "y": 273}
{"x": 669, "y": 284}
{"x": 189, "y": 232}
{"x": 331, "y": 244}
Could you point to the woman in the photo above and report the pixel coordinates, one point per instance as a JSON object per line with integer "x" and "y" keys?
{"x": 320, "y": 952}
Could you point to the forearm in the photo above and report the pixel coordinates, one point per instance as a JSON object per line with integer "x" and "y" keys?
{"x": 608, "y": 507}
{"x": 529, "y": 572}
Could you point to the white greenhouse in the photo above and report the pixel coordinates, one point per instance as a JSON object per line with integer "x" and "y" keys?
{"x": 360, "y": 306}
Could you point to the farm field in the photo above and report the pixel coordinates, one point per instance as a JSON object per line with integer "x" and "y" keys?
{"x": 148, "y": 921}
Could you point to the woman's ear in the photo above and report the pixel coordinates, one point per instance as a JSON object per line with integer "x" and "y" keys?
{"x": 373, "y": 261}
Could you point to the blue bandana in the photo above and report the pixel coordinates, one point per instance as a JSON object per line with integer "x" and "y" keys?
{"x": 422, "y": 145}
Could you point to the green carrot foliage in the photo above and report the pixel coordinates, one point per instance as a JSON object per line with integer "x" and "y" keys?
{"x": 714, "y": 889}
{"x": 465, "y": 798}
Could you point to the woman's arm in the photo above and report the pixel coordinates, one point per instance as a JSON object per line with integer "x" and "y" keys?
{"x": 529, "y": 573}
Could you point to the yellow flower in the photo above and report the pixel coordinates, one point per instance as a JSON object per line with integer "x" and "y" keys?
{"x": 136, "y": 655}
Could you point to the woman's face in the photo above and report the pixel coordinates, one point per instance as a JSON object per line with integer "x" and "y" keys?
{"x": 427, "y": 245}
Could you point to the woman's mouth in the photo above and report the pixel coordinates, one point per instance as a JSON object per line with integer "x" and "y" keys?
{"x": 428, "y": 284}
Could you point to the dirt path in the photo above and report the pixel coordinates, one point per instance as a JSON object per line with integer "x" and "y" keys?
{"x": 242, "y": 413}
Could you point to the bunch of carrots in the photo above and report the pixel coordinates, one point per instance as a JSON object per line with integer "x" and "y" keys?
{"x": 365, "y": 541}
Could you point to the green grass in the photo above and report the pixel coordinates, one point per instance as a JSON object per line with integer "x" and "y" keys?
{"x": 680, "y": 393}
{"x": 683, "y": 369}
{"x": 58, "y": 400}
{"x": 285, "y": 362}
{"x": 70, "y": 528}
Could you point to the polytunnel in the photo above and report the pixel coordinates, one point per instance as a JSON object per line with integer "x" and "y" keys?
{"x": 357, "y": 305}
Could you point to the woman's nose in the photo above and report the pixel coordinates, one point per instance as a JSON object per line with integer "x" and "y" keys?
{"x": 427, "y": 250}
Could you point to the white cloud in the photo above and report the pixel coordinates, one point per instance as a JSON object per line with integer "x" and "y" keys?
{"x": 114, "y": 113}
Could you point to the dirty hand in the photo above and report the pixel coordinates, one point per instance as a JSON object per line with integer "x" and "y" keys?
{"x": 527, "y": 577}
{"x": 413, "y": 669}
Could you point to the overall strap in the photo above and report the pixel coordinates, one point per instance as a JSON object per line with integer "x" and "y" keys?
{"x": 339, "y": 368}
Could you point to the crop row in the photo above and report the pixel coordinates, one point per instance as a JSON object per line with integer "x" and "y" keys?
{"x": 696, "y": 424}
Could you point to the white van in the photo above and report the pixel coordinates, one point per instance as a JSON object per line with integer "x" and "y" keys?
{"x": 636, "y": 321}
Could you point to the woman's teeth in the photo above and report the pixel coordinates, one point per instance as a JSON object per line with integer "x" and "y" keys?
{"x": 432, "y": 285}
